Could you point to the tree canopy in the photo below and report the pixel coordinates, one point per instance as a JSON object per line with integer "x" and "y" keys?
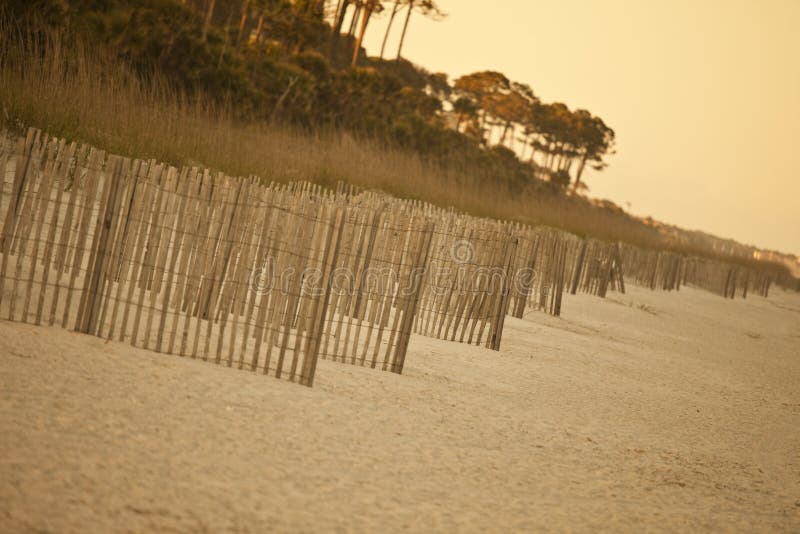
{"x": 302, "y": 62}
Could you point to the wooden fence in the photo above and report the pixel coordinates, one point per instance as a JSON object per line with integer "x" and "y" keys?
{"x": 595, "y": 267}
{"x": 189, "y": 262}
{"x": 376, "y": 285}
{"x": 669, "y": 271}
{"x": 271, "y": 277}
{"x": 539, "y": 272}
{"x": 466, "y": 291}
{"x": 464, "y": 274}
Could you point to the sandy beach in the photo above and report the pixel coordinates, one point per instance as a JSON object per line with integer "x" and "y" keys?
{"x": 643, "y": 411}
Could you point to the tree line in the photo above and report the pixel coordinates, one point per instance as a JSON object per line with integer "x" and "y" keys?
{"x": 302, "y": 62}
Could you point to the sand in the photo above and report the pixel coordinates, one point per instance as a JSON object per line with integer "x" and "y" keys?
{"x": 648, "y": 411}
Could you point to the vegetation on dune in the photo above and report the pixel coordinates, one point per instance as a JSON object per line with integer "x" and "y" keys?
{"x": 283, "y": 62}
{"x": 269, "y": 87}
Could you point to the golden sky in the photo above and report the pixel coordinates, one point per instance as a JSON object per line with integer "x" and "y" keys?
{"x": 704, "y": 96}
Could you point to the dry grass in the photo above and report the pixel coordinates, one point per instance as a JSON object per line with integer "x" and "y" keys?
{"x": 75, "y": 91}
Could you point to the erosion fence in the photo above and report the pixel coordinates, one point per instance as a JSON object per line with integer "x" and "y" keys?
{"x": 195, "y": 263}
{"x": 232, "y": 270}
{"x": 669, "y": 271}
{"x": 272, "y": 277}
{"x": 466, "y": 291}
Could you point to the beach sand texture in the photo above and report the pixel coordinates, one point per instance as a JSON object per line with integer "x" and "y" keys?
{"x": 649, "y": 410}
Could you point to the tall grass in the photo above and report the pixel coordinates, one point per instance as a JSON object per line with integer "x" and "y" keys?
{"x": 64, "y": 86}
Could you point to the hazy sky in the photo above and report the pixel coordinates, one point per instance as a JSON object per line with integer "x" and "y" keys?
{"x": 704, "y": 96}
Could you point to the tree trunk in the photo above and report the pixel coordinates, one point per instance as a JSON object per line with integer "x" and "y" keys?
{"x": 529, "y": 142}
{"x": 559, "y": 156}
{"x": 395, "y": 9}
{"x": 481, "y": 126}
{"x": 336, "y": 13}
{"x": 503, "y": 135}
{"x": 281, "y": 99}
{"x": 551, "y": 156}
{"x": 543, "y": 158}
{"x": 459, "y": 120}
{"x": 225, "y": 43}
{"x": 336, "y": 27}
{"x": 242, "y": 22}
{"x": 209, "y": 14}
{"x": 259, "y": 26}
{"x": 405, "y": 27}
{"x": 578, "y": 174}
{"x": 364, "y": 21}
{"x": 354, "y": 21}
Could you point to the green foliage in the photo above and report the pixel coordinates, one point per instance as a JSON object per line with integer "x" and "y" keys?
{"x": 278, "y": 60}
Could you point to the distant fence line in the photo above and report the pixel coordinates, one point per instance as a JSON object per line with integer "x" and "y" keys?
{"x": 669, "y": 271}
{"x": 272, "y": 277}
